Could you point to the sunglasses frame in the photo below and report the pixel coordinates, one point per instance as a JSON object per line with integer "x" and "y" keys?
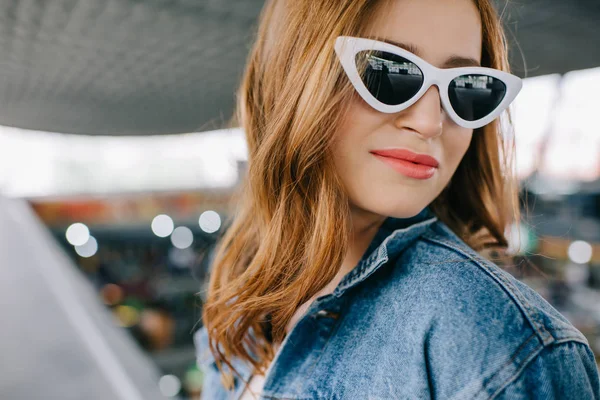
{"x": 346, "y": 48}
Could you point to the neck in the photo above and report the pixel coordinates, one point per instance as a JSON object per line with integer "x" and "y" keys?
{"x": 364, "y": 226}
{"x": 364, "y": 223}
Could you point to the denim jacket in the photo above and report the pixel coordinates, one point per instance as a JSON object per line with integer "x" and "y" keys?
{"x": 423, "y": 316}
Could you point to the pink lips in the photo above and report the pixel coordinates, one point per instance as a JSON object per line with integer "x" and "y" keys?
{"x": 408, "y": 155}
{"x": 419, "y": 166}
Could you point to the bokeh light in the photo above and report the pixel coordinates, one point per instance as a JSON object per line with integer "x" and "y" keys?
{"x": 88, "y": 249}
{"x": 182, "y": 237}
{"x": 162, "y": 225}
{"x": 169, "y": 385}
{"x": 127, "y": 316}
{"x": 580, "y": 252}
{"x": 182, "y": 258}
{"x": 210, "y": 221}
{"x": 193, "y": 380}
{"x": 111, "y": 294}
{"x": 77, "y": 234}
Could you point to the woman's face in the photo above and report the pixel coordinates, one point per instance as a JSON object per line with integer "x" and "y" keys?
{"x": 439, "y": 30}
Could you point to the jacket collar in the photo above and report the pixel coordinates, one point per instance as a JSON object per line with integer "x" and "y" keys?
{"x": 393, "y": 236}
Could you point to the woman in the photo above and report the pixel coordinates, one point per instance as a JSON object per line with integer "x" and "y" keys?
{"x": 355, "y": 266}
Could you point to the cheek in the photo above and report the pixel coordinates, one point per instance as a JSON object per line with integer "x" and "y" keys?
{"x": 455, "y": 143}
{"x": 351, "y": 144}
{"x": 361, "y": 119}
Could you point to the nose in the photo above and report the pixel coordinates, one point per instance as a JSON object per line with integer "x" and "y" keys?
{"x": 425, "y": 116}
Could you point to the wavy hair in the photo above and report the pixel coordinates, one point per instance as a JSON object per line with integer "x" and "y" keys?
{"x": 288, "y": 233}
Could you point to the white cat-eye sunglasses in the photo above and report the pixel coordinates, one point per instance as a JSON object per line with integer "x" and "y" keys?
{"x": 393, "y": 79}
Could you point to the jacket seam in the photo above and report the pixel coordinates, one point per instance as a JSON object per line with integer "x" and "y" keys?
{"x": 518, "y": 372}
{"x": 509, "y": 363}
{"x": 527, "y": 362}
{"x": 544, "y": 335}
{"x": 571, "y": 339}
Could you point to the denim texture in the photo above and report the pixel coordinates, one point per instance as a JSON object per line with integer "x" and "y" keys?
{"x": 423, "y": 316}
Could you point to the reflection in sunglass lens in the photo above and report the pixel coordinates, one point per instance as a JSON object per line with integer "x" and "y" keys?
{"x": 390, "y": 78}
{"x": 475, "y": 96}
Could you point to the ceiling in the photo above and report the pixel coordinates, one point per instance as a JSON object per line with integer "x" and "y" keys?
{"x": 148, "y": 67}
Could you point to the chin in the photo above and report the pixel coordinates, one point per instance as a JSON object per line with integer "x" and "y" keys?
{"x": 404, "y": 210}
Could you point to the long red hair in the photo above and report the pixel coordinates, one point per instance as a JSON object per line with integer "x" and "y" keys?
{"x": 288, "y": 234}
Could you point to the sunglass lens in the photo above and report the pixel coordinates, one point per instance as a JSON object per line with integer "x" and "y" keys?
{"x": 474, "y": 97}
{"x": 390, "y": 78}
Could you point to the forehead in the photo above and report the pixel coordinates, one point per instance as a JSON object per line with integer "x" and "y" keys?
{"x": 438, "y": 29}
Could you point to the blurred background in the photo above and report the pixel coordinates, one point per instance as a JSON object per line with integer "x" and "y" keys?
{"x": 117, "y": 167}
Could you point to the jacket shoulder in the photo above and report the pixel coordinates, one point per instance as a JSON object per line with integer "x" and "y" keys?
{"x": 499, "y": 287}
{"x": 565, "y": 370}
{"x": 478, "y": 316}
